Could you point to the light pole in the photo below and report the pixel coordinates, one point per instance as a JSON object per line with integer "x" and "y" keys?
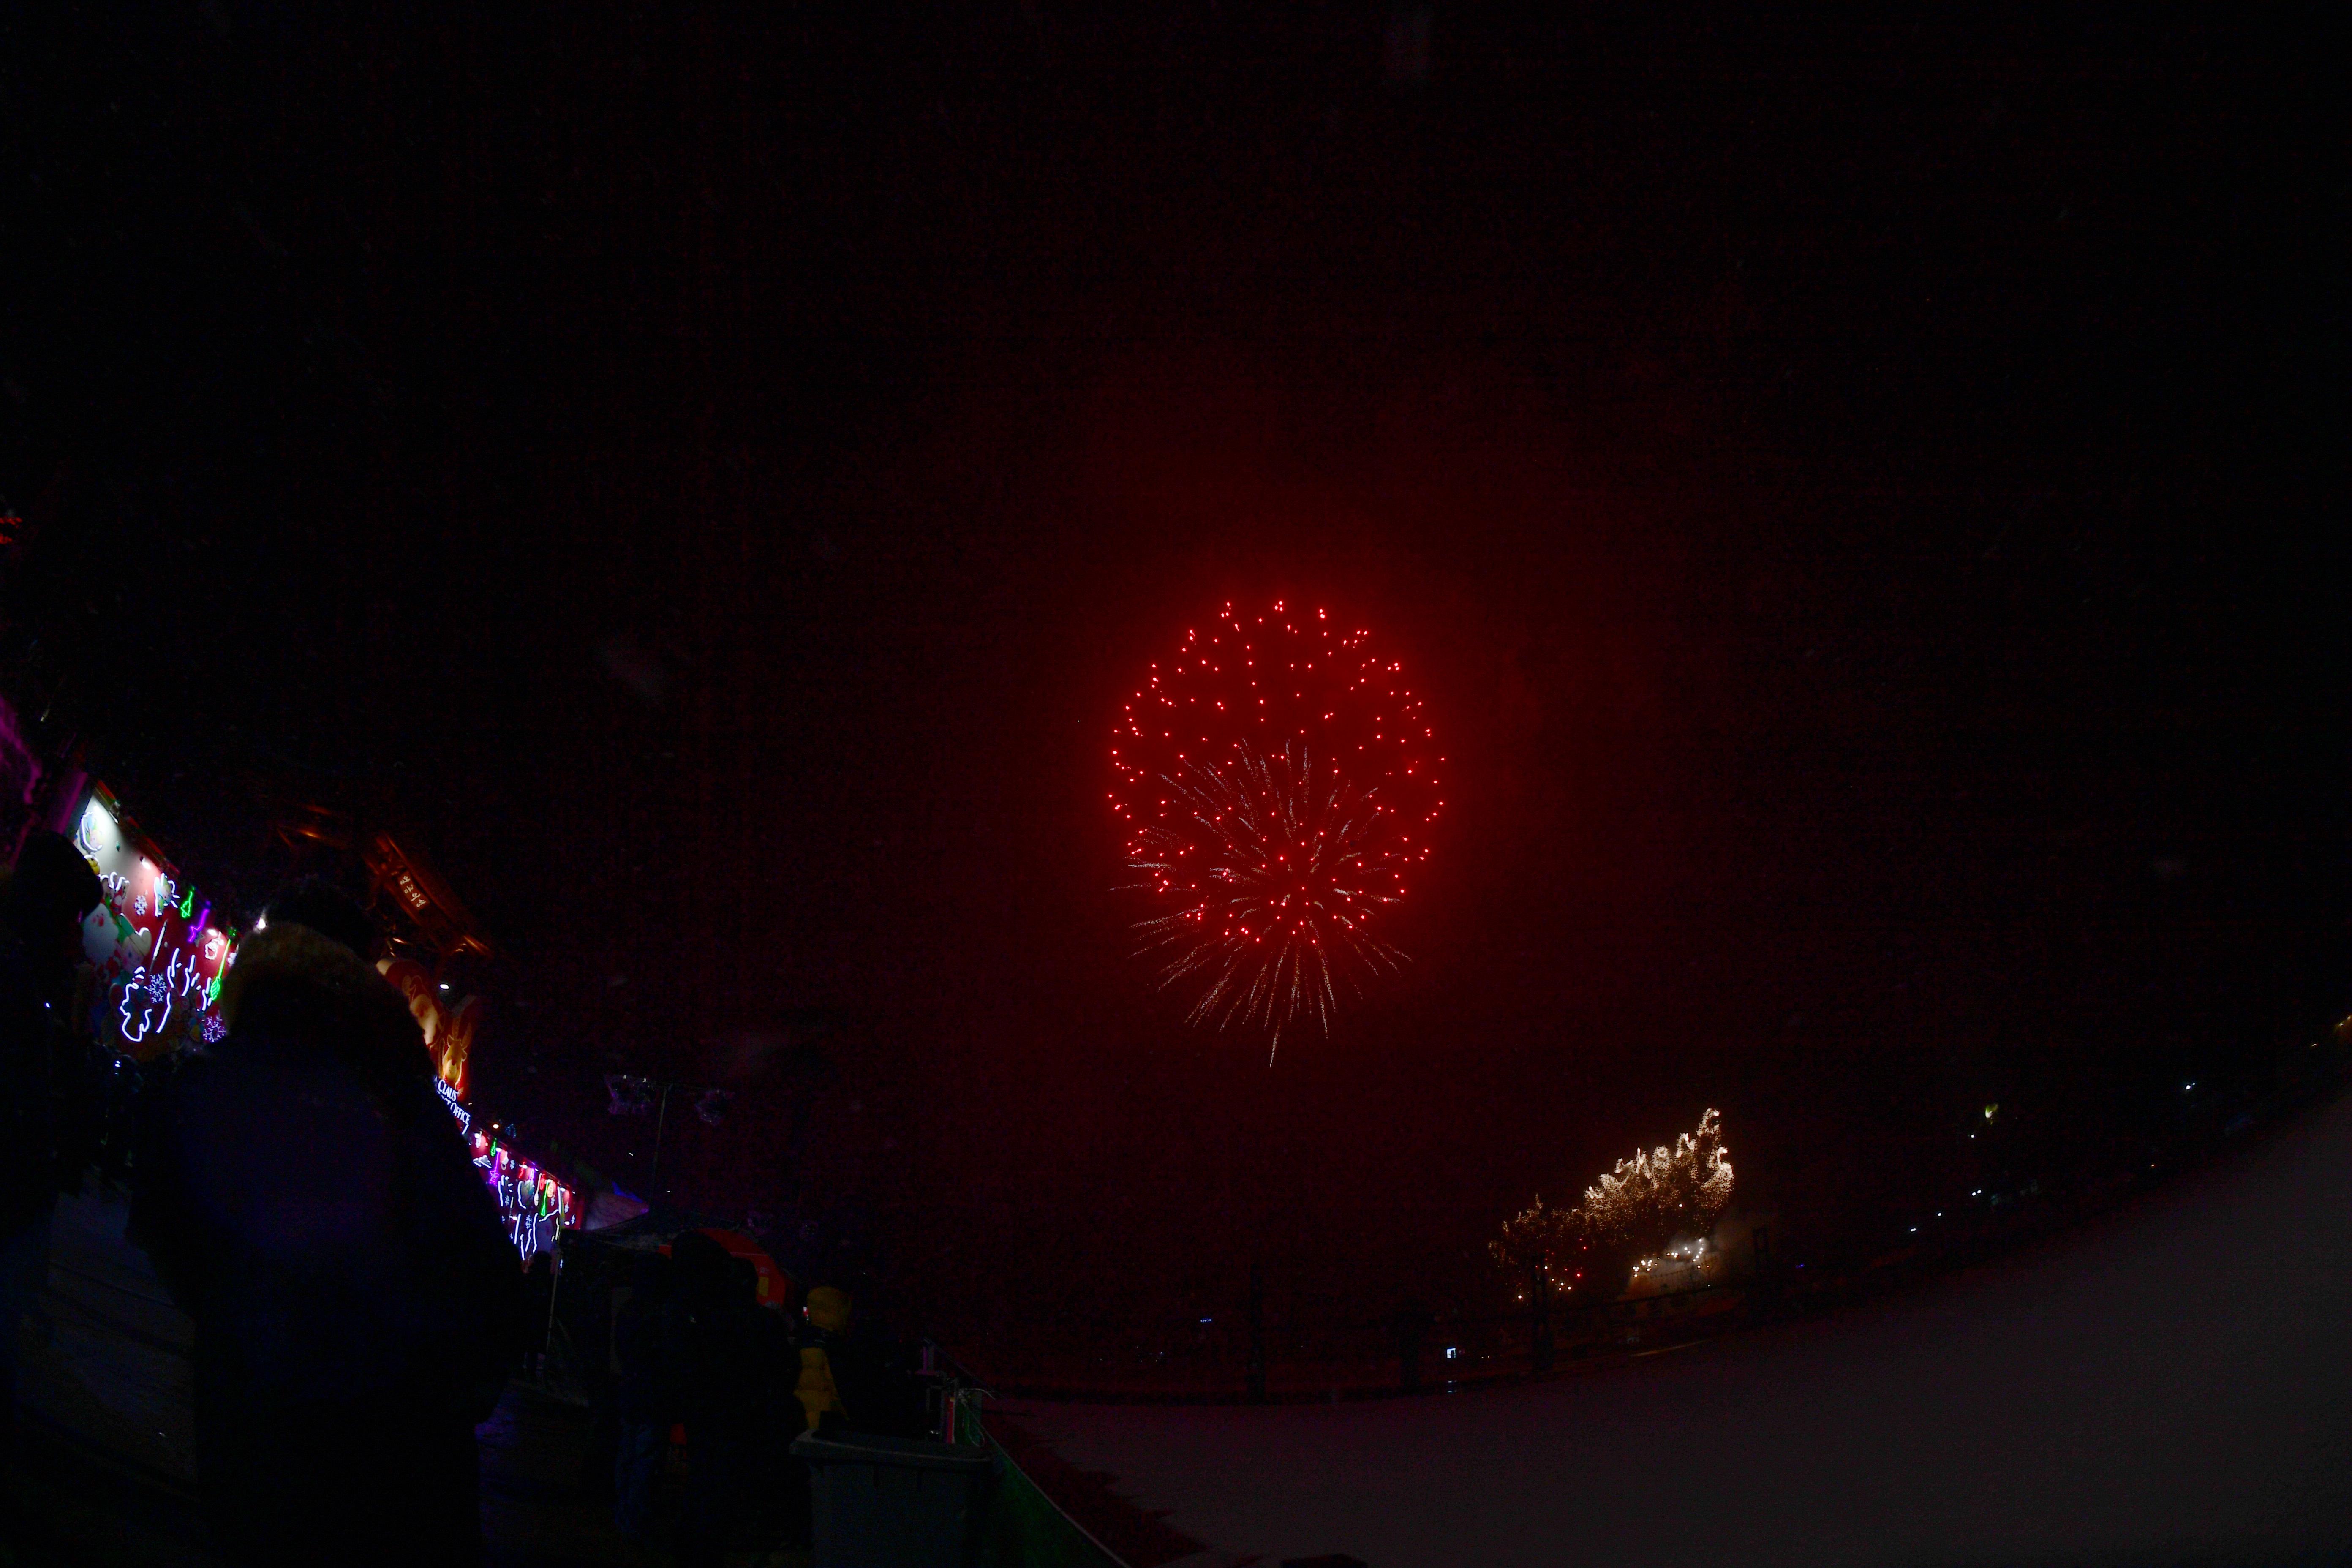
{"x": 631, "y": 1094}
{"x": 661, "y": 1121}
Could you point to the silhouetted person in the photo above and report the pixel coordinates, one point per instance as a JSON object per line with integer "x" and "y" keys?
{"x": 1255, "y": 1367}
{"x": 539, "y": 1290}
{"x": 41, "y": 906}
{"x": 781, "y": 1419}
{"x": 710, "y": 1338}
{"x": 591, "y": 1317}
{"x": 645, "y": 1393}
{"x": 1539, "y": 1342}
{"x": 1411, "y": 1323}
{"x": 311, "y": 1203}
{"x": 823, "y": 1341}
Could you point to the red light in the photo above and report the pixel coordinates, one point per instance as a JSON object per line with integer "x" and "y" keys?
{"x": 1272, "y": 811}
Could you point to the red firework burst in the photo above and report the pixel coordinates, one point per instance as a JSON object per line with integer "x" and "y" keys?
{"x": 1277, "y": 783}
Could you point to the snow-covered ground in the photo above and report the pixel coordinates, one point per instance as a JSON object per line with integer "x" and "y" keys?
{"x": 2172, "y": 1383}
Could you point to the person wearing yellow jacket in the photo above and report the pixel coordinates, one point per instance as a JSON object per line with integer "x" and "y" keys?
{"x": 827, "y": 1311}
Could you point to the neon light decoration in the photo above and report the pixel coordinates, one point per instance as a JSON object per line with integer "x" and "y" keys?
{"x": 534, "y": 1206}
{"x": 159, "y": 958}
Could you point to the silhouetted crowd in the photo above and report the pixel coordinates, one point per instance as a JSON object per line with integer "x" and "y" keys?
{"x": 46, "y": 1121}
{"x": 687, "y": 1351}
{"x": 358, "y": 1309}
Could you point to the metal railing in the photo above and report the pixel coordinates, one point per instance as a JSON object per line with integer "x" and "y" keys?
{"x": 1355, "y": 1359}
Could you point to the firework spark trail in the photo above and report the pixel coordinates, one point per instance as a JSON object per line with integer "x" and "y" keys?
{"x": 1281, "y": 824}
{"x": 1289, "y": 861}
{"x": 1660, "y": 1191}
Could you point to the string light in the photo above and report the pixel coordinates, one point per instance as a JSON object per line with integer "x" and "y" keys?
{"x": 532, "y": 1205}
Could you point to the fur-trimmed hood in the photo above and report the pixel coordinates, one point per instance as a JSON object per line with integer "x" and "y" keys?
{"x": 293, "y": 989}
{"x": 312, "y": 1206}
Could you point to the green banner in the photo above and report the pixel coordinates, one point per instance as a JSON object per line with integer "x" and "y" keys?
{"x": 1021, "y": 1527}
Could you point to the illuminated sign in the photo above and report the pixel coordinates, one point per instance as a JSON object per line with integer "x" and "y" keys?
{"x": 448, "y": 1029}
{"x": 423, "y": 897}
{"x": 534, "y": 1206}
{"x": 158, "y": 957}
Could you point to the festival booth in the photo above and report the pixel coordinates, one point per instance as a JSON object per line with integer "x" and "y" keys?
{"x": 159, "y": 952}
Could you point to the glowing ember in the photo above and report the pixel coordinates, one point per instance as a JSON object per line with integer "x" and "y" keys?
{"x": 1665, "y": 1192}
{"x": 1662, "y": 1202}
{"x": 1277, "y": 782}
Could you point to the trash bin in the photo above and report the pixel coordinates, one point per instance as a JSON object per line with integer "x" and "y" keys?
{"x": 890, "y": 1502}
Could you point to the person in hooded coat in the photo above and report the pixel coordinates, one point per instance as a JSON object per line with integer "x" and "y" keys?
{"x": 826, "y": 1359}
{"x": 46, "y": 894}
{"x": 644, "y": 1395}
{"x": 311, "y": 1203}
{"x": 713, "y": 1343}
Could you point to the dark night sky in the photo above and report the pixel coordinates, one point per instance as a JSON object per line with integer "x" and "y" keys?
{"x": 1865, "y": 505}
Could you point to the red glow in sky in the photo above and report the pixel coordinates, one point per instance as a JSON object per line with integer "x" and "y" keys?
{"x": 1277, "y": 781}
